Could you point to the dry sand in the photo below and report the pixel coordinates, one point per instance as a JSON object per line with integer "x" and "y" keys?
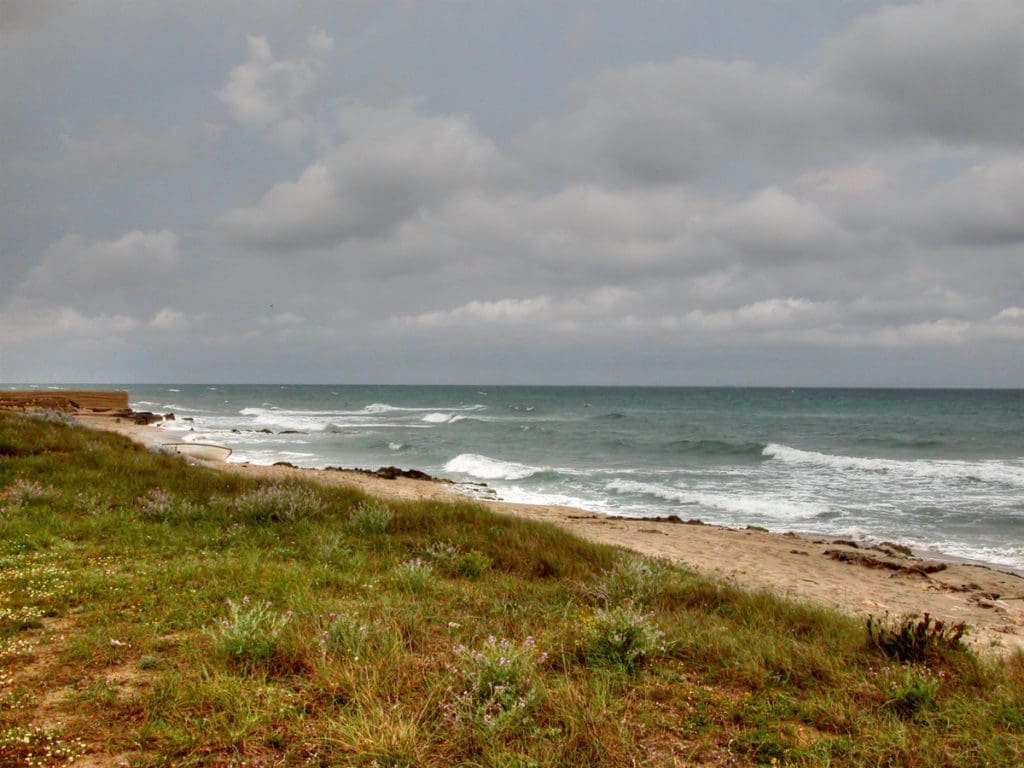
{"x": 989, "y": 601}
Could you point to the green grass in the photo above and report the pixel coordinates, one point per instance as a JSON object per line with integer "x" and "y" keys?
{"x": 171, "y": 615}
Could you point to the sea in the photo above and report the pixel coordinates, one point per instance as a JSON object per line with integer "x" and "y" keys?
{"x": 941, "y": 471}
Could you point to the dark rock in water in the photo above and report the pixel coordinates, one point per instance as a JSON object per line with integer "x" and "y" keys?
{"x": 390, "y": 473}
{"x": 145, "y": 417}
{"x": 673, "y": 519}
{"x": 168, "y": 417}
{"x": 187, "y": 418}
{"x": 237, "y": 431}
{"x": 263, "y": 431}
{"x": 292, "y": 432}
{"x": 284, "y": 464}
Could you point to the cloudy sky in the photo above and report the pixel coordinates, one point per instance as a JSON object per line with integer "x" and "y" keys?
{"x": 736, "y": 192}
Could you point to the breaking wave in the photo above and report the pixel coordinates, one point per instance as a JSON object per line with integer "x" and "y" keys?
{"x": 486, "y": 468}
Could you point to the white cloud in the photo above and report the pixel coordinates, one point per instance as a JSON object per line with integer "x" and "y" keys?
{"x": 263, "y": 90}
{"x": 169, "y": 320}
{"x": 1010, "y": 315}
{"x": 500, "y": 311}
{"x": 758, "y": 317}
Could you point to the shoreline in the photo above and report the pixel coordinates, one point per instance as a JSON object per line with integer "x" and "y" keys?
{"x": 854, "y": 579}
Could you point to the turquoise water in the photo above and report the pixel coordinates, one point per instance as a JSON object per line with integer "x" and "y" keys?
{"x": 939, "y": 470}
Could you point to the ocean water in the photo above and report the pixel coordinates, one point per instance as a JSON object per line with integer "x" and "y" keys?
{"x": 941, "y": 471}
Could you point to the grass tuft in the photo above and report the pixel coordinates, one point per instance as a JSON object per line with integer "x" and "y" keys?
{"x": 369, "y": 518}
{"x": 251, "y": 635}
{"x": 495, "y": 685}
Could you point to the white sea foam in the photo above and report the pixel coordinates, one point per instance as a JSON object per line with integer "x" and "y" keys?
{"x": 396, "y": 446}
{"x": 437, "y": 418}
{"x": 991, "y": 471}
{"x": 387, "y": 408}
{"x": 657, "y": 490}
{"x": 759, "y": 505}
{"x": 519, "y": 495}
{"x": 486, "y": 468}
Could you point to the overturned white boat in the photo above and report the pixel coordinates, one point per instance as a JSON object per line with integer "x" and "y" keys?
{"x": 202, "y": 451}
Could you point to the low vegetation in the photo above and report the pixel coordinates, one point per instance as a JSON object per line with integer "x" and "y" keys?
{"x": 157, "y": 614}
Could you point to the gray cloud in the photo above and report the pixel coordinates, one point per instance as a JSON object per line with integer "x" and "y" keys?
{"x": 393, "y": 164}
{"x": 933, "y": 72}
{"x": 943, "y": 71}
{"x": 689, "y": 219}
{"x": 982, "y": 206}
{"x": 106, "y": 275}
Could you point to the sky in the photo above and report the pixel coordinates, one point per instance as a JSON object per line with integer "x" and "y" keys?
{"x": 785, "y": 193}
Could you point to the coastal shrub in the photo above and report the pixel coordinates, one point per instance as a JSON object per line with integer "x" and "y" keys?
{"x": 631, "y": 579}
{"x": 914, "y": 639}
{"x": 495, "y": 686}
{"x": 910, "y": 689}
{"x": 22, "y": 492}
{"x": 453, "y": 561}
{"x": 369, "y": 518}
{"x": 161, "y": 506}
{"x": 621, "y": 637}
{"x": 251, "y": 634}
{"x": 278, "y": 503}
{"x": 415, "y": 576}
{"x": 52, "y": 416}
{"x": 344, "y": 634}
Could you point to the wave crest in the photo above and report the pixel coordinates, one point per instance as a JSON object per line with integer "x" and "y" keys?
{"x": 486, "y": 468}
{"x": 988, "y": 471}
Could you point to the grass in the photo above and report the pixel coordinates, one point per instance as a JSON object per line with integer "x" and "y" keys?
{"x": 157, "y": 614}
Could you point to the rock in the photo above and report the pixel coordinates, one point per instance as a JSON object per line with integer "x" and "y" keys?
{"x": 168, "y": 417}
{"x": 846, "y": 543}
{"x": 263, "y": 431}
{"x": 292, "y": 432}
{"x": 921, "y": 568}
{"x": 187, "y": 418}
{"x": 757, "y": 528}
{"x": 903, "y": 550}
{"x": 673, "y": 519}
{"x": 390, "y": 473}
{"x": 145, "y": 418}
{"x": 284, "y": 464}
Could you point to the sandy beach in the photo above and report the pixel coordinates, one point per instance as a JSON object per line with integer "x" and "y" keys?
{"x": 852, "y": 579}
